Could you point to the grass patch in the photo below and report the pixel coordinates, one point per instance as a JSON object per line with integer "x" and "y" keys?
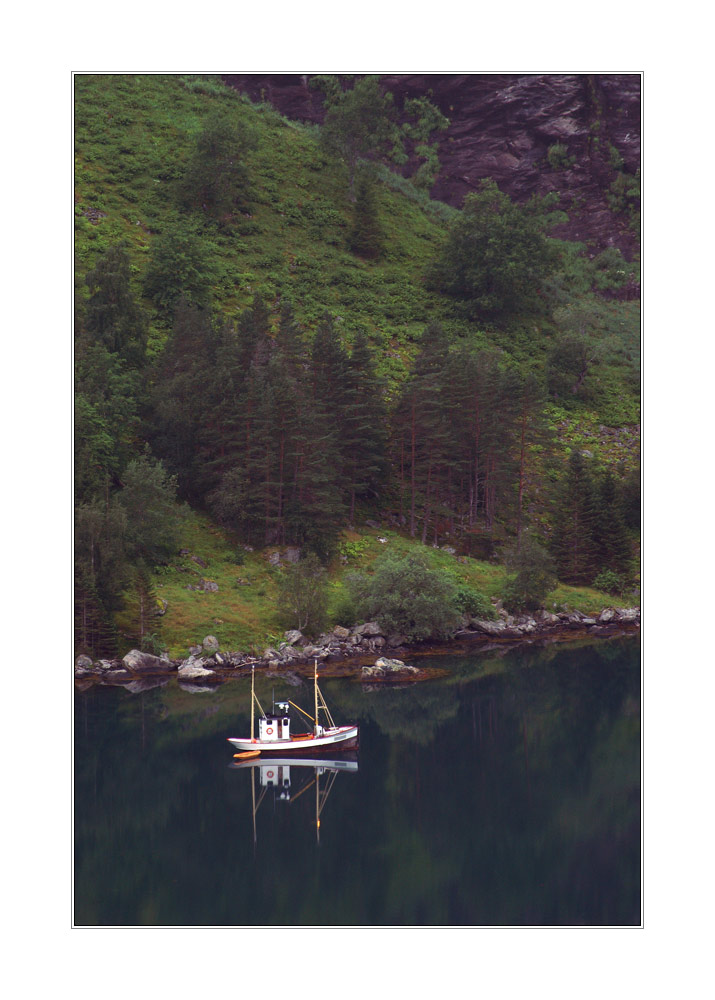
{"x": 243, "y": 617}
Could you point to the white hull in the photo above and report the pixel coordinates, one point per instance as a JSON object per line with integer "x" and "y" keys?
{"x": 325, "y": 764}
{"x": 329, "y": 738}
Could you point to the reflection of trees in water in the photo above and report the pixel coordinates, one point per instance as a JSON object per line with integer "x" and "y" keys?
{"x": 414, "y": 712}
{"x": 538, "y": 800}
{"x": 508, "y": 797}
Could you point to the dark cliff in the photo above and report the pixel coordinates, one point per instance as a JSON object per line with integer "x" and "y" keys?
{"x": 502, "y": 126}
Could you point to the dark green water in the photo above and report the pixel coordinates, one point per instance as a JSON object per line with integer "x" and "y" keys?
{"x": 505, "y": 794}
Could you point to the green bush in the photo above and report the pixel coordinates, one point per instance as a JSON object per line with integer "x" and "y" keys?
{"x": 535, "y": 576}
{"x": 153, "y": 644}
{"x": 179, "y": 265}
{"x": 610, "y": 582}
{"x": 558, "y": 157}
{"x": 353, "y": 550}
{"x": 469, "y": 601}
{"x": 303, "y": 595}
{"x": 406, "y": 596}
{"x": 343, "y": 610}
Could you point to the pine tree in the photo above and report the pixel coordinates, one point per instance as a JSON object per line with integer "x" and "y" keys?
{"x": 532, "y": 434}
{"x": 573, "y": 543}
{"x": 113, "y": 318}
{"x": 364, "y": 432}
{"x": 183, "y": 430}
{"x": 423, "y": 434}
{"x": 611, "y": 533}
{"x": 141, "y": 612}
{"x": 366, "y": 235}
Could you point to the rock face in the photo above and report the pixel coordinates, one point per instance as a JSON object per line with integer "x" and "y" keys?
{"x": 502, "y": 126}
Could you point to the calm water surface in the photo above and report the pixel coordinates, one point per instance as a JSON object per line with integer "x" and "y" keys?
{"x": 507, "y": 793}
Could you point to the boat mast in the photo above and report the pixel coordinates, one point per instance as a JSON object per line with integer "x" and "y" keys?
{"x": 253, "y": 682}
{"x": 317, "y": 805}
{"x": 316, "y": 697}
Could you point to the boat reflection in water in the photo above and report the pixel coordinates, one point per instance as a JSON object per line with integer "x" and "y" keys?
{"x": 277, "y": 775}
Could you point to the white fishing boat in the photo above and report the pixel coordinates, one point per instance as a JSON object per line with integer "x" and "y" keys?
{"x": 275, "y": 738}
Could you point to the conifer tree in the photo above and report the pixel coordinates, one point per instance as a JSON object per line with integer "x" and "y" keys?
{"x": 366, "y": 235}
{"x": 364, "y": 431}
{"x": 611, "y": 533}
{"x": 94, "y": 630}
{"x": 106, "y": 418}
{"x": 113, "y": 317}
{"x": 141, "y": 611}
{"x": 182, "y": 429}
{"x": 532, "y": 434}
{"x": 573, "y": 543}
{"x": 423, "y": 430}
{"x": 216, "y": 179}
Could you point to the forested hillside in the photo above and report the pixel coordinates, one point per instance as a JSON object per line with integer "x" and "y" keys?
{"x": 282, "y": 342}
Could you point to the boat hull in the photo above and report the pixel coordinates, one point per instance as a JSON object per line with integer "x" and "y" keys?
{"x": 322, "y": 761}
{"x": 341, "y": 737}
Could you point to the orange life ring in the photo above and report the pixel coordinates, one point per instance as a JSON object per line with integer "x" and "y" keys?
{"x": 269, "y": 730}
{"x": 269, "y": 774}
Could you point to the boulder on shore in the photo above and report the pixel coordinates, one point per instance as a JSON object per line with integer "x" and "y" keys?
{"x": 192, "y": 669}
{"x": 369, "y": 628}
{"x": 138, "y": 662}
{"x": 386, "y": 667}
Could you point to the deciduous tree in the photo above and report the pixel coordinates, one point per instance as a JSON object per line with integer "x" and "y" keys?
{"x": 406, "y": 596}
{"x": 496, "y": 257}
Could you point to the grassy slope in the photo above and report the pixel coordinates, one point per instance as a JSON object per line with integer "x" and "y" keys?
{"x": 242, "y": 614}
{"x": 132, "y": 136}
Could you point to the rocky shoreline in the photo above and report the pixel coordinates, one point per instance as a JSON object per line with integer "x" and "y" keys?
{"x": 353, "y": 648}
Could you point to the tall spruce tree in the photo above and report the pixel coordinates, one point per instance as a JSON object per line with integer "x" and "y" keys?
{"x": 611, "y": 533}
{"x": 573, "y": 543}
{"x": 366, "y": 235}
{"x": 182, "y": 428}
{"x": 364, "y": 432}
{"x": 533, "y": 435}
{"x": 423, "y": 434}
{"x": 112, "y": 316}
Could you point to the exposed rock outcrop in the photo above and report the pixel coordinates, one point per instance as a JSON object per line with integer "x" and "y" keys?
{"x": 502, "y": 126}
